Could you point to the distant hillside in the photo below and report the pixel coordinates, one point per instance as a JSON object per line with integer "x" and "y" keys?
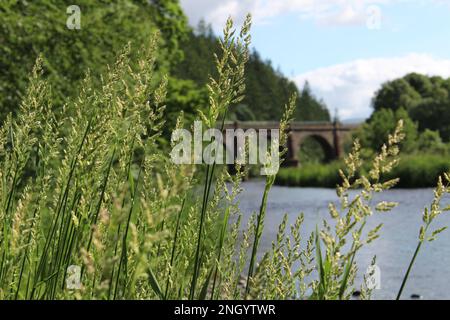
{"x": 353, "y": 121}
{"x": 267, "y": 89}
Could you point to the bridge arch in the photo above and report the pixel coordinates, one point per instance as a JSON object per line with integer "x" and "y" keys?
{"x": 327, "y": 149}
{"x": 326, "y": 140}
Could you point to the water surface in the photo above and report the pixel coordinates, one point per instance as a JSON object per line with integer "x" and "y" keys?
{"x": 430, "y": 276}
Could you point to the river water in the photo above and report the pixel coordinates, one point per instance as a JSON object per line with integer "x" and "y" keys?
{"x": 430, "y": 276}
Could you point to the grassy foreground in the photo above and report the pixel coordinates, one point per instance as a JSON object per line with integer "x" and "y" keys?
{"x": 92, "y": 207}
{"x": 414, "y": 171}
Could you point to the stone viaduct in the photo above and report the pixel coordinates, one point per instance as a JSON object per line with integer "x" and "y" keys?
{"x": 330, "y": 136}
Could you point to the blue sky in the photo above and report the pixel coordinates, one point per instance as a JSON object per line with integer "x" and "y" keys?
{"x": 345, "y": 48}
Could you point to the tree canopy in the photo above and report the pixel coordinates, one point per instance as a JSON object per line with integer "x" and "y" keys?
{"x": 426, "y": 100}
{"x": 375, "y": 132}
{"x": 30, "y": 28}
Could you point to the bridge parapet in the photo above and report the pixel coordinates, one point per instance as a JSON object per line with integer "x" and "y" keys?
{"x": 293, "y": 126}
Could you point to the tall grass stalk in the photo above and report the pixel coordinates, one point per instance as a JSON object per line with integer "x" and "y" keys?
{"x": 223, "y": 93}
{"x": 429, "y": 215}
{"x": 270, "y": 179}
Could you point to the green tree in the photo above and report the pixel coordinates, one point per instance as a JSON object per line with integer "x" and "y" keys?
{"x": 420, "y": 83}
{"x": 311, "y": 151}
{"x": 172, "y": 22}
{"x": 30, "y": 28}
{"x": 186, "y": 96}
{"x": 198, "y": 48}
{"x": 241, "y": 112}
{"x": 430, "y": 142}
{"x": 395, "y": 95}
{"x": 309, "y": 108}
{"x": 375, "y": 132}
{"x": 433, "y": 114}
{"x": 426, "y": 99}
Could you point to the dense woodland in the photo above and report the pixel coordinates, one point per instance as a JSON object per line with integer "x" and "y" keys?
{"x": 186, "y": 56}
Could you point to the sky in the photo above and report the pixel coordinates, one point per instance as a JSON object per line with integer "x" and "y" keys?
{"x": 345, "y": 48}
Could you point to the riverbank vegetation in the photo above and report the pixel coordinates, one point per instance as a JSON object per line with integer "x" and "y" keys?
{"x": 414, "y": 171}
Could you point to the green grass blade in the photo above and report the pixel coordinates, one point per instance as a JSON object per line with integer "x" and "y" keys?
{"x": 154, "y": 283}
{"x": 205, "y": 286}
{"x": 405, "y": 278}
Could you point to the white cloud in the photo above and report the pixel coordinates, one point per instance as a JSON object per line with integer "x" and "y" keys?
{"x": 217, "y": 11}
{"x": 323, "y": 12}
{"x": 326, "y": 12}
{"x": 349, "y": 87}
